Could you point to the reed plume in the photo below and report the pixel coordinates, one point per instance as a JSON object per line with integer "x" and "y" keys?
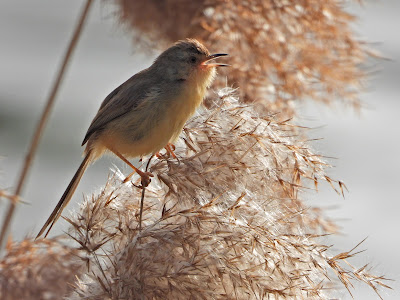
{"x": 281, "y": 51}
{"x": 44, "y": 269}
{"x": 229, "y": 218}
{"x": 225, "y": 221}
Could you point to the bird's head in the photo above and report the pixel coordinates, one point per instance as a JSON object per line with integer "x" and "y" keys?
{"x": 189, "y": 60}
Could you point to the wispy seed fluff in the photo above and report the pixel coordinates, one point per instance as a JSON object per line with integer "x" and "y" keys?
{"x": 224, "y": 221}
{"x": 280, "y": 51}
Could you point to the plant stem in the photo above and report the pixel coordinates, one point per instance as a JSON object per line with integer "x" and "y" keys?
{"x": 43, "y": 120}
{"x": 142, "y": 198}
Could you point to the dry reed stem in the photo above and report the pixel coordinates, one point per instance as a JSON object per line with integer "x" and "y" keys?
{"x": 13, "y": 198}
{"x": 280, "y": 51}
{"x": 43, "y": 120}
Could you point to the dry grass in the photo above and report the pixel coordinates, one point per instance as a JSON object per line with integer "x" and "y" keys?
{"x": 44, "y": 269}
{"x": 281, "y": 51}
{"x": 228, "y": 220}
{"x": 225, "y": 222}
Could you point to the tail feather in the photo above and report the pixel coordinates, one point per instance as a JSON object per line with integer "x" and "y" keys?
{"x": 66, "y": 197}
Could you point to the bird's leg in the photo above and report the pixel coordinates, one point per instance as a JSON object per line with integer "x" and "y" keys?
{"x": 159, "y": 155}
{"x": 170, "y": 150}
{"x": 144, "y": 175}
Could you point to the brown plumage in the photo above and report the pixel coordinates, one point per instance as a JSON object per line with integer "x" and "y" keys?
{"x": 146, "y": 112}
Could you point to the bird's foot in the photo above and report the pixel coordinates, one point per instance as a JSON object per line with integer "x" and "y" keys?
{"x": 145, "y": 177}
{"x": 169, "y": 148}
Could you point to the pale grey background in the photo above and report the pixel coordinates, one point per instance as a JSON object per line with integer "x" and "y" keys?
{"x": 33, "y": 35}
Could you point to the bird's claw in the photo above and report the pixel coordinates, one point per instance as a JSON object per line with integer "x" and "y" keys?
{"x": 146, "y": 178}
{"x": 169, "y": 151}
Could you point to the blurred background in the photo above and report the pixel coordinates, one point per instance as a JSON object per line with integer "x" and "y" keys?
{"x": 364, "y": 146}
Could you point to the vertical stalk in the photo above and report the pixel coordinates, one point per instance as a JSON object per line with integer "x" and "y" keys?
{"x": 43, "y": 120}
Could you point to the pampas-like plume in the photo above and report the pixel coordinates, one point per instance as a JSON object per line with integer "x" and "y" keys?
{"x": 224, "y": 222}
{"x": 43, "y": 269}
{"x": 279, "y": 50}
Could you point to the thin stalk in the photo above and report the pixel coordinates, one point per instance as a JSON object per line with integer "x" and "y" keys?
{"x": 43, "y": 120}
{"x": 142, "y": 198}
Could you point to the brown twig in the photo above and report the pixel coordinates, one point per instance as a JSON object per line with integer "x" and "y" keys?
{"x": 11, "y": 197}
{"x": 43, "y": 120}
{"x": 142, "y": 197}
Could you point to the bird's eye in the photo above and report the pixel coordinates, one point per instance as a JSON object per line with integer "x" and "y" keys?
{"x": 193, "y": 59}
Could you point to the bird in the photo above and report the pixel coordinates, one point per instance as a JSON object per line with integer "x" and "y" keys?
{"x": 147, "y": 112}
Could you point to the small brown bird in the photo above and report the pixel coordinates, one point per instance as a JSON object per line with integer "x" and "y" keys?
{"x": 146, "y": 112}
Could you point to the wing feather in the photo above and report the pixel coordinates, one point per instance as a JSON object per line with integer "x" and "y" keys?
{"x": 120, "y": 101}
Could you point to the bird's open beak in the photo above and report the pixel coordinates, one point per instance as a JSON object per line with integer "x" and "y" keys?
{"x": 214, "y": 64}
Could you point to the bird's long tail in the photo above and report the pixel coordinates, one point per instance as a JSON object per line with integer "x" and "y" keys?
{"x": 66, "y": 197}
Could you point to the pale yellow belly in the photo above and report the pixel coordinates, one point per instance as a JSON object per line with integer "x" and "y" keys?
{"x": 154, "y": 137}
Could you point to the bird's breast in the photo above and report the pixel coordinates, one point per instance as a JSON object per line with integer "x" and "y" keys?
{"x": 157, "y": 123}
{"x": 183, "y": 107}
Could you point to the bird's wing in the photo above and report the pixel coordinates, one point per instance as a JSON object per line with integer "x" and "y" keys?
{"x": 110, "y": 96}
{"x": 123, "y": 99}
